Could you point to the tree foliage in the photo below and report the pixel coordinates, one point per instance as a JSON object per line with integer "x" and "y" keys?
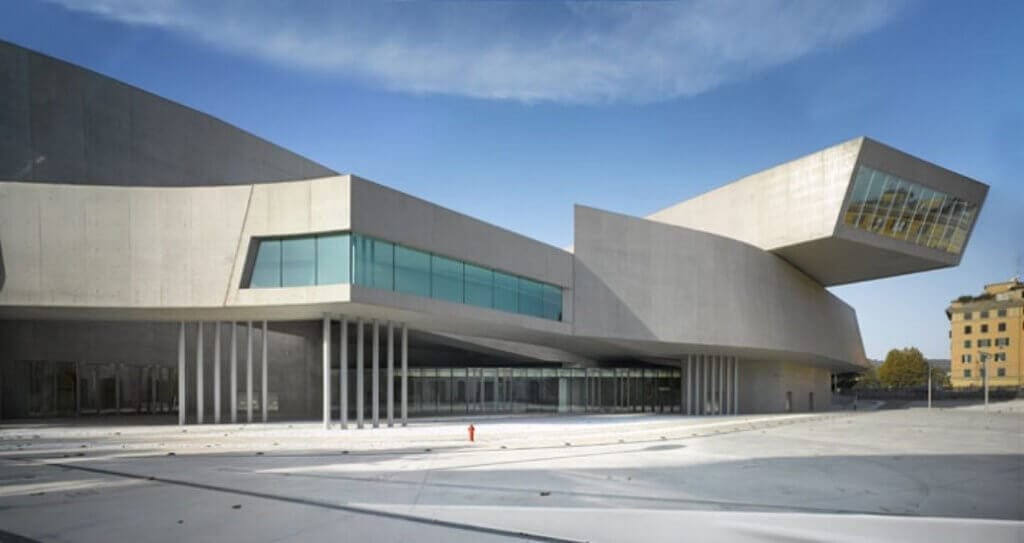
{"x": 868, "y": 379}
{"x": 903, "y": 368}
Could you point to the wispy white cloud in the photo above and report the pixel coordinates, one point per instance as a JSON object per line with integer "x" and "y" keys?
{"x": 571, "y": 52}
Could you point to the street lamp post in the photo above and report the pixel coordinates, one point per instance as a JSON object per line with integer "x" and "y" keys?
{"x": 929, "y": 366}
{"x": 984, "y": 372}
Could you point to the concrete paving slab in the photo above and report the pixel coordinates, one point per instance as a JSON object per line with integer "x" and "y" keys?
{"x": 949, "y": 474}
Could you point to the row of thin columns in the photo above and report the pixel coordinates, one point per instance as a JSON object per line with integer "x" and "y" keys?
{"x": 200, "y": 372}
{"x": 710, "y": 385}
{"x": 375, "y": 377}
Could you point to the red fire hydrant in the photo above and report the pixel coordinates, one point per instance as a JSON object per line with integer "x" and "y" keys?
{"x": 472, "y": 431}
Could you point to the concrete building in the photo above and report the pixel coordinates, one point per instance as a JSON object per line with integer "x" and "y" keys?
{"x": 987, "y": 331}
{"x": 155, "y": 259}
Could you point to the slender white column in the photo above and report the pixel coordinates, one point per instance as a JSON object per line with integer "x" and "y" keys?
{"x": 717, "y": 383}
{"x": 140, "y": 396}
{"x": 117, "y": 388}
{"x": 391, "y": 375}
{"x": 720, "y": 386}
{"x": 727, "y": 384}
{"x": 216, "y": 373}
{"x": 736, "y": 385}
{"x": 325, "y": 357}
{"x": 248, "y": 374}
{"x": 343, "y": 374}
{"x": 151, "y": 372}
{"x": 682, "y": 385}
{"x": 264, "y": 389}
{"x": 711, "y": 385}
{"x": 181, "y": 373}
{"x": 706, "y": 396}
{"x": 689, "y": 384}
{"x": 199, "y": 373}
{"x": 359, "y": 373}
{"x": 234, "y": 373}
{"x": 692, "y": 385}
{"x": 375, "y": 376}
{"x": 698, "y": 360}
{"x": 78, "y": 388}
{"x": 405, "y": 375}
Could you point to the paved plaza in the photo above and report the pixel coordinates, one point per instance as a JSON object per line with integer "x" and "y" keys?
{"x": 951, "y": 473}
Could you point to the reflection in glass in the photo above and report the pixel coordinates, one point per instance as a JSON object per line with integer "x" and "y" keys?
{"x": 506, "y": 292}
{"x": 298, "y": 262}
{"x": 901, "y": 209}
{"x": 333, "y": 259}
{"x": 445, "y": 279}
{"x": 412, "y": 271}
{"x": 266, "y": 271}
{"x": 479, "y": 286}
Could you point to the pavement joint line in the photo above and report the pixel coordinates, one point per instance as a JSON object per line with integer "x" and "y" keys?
{"x": 709, "y": 430}
{"x": 321, "y": 504}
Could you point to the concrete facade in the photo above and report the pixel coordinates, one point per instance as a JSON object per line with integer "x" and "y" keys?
{"x": 103, "y": 263}
{"x": 795, "y": 210}
{"x": 62, "y": 123}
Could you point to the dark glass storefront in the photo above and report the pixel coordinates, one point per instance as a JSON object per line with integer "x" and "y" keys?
{"x": 495, "y": 390}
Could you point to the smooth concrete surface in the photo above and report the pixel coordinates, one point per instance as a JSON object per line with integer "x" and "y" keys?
{"x": 394, "y": 216}
{"x": 950, "y": 474}
{"x": 647, "y": 281}
{"x": 796, "y": 209}
{"x": 63, "y": 123}
{"x": 784, "y": 205}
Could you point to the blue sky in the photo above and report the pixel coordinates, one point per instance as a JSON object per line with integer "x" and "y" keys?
{"x": 512, "y": 112}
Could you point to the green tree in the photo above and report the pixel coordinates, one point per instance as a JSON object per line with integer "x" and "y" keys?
{"x": 940, "y": 379}
{"x": 903, "y": 368}
{"x": 868, "y": 379}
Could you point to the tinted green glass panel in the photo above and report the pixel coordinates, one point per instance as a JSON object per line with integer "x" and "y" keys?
{"x": 446, "y": 279}
{"x": 266, "y": 271}
{"x": 412, "y": 271}
{"x": 552, "y": 302}
{"x": 333, "y": 259}
{"x": 506, "y": 292}
{"x": 298, "y": 262}
{"x": 479, "y": 286}
{"x": 383, "y": 255}
{"x": 361, "y": 263}
{"x": 531, "y": 297}
{"x": 374, "y": 263}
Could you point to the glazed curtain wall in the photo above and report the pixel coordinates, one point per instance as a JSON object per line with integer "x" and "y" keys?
{"x": 335, "y": 258}
{"x": 896, "y": 208}
{"x": 459, "y": 390}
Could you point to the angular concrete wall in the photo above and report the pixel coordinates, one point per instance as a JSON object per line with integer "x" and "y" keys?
{"x": 88, "y": 246}
{"x": 792, "y": 203}
{"x": 389, "y": 214}
{"x": 763, "y": 387}
{"x": 645, "y": 281}
{"x": 63, "y": 123}
{"x": 156, "y": 248}
{"x": 795, "y": 210}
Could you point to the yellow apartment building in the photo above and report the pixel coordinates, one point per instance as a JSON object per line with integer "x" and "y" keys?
{"x": 988, "y": 327}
